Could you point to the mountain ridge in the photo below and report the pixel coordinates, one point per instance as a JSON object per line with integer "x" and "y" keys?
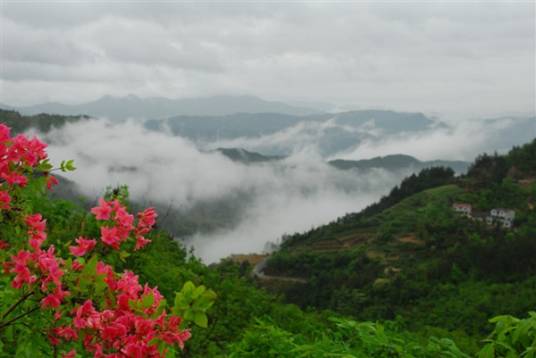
{"x": 132, "y": 106}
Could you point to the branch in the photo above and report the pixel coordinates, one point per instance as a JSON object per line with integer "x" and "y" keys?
{"x": 3, "y": 325}
{"x": 22, "y": 299}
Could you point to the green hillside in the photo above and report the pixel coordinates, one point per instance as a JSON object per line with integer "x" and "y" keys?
{"x": 410, "y": 257}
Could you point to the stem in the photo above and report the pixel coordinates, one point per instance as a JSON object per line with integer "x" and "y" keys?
{"x": 22, "y": 299}
{"x": 3, "y": 325}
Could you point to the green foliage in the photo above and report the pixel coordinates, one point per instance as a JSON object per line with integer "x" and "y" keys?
{"x": 512, "y": 337}
{"x": 342, "y": 338}
{"x": 67, "y": 166}
{"x": 192, "y": 303}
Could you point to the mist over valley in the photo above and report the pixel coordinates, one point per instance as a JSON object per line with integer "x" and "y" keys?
{"x": 238, "y": 183}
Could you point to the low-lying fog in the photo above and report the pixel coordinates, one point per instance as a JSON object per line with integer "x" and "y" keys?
{"x": 286, "y": 196}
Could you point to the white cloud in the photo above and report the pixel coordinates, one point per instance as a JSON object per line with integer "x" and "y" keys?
{"x": 287, "y": 196}
{"x": 463, "y": 140}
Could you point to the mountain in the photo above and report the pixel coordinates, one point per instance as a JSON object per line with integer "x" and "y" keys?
{"x": 397, "y": 162}
{"x": 394, "y": 162}
{"x": 259, "y": 124}
{"x": 246, "y": 157}
{"x": 159, "y": 107}
{"x": 280, "y": 134}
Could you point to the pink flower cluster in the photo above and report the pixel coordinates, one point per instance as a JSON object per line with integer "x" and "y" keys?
{"x": 38, "y": 266}
{"x": 121, "y": 223}
{"x": 118, "y": 330}
{"x": 18, "y": 155}
{"x": 127, "y": 319}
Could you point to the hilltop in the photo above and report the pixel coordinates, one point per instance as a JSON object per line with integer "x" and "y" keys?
{"x": 397, "y": 162}
{"x": 247, "y": 157}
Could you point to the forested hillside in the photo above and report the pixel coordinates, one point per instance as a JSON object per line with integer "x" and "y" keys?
{"x": 411, "y": 257}
{"x": 42, "y": 122}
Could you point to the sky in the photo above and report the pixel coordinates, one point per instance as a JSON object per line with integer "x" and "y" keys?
{"x": 448, "y": 58}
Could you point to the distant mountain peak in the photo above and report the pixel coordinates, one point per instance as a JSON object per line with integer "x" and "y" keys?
{"x": 133, "y": 106}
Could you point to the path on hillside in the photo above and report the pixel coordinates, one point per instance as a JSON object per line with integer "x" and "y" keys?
{"x": 257, "y": 272}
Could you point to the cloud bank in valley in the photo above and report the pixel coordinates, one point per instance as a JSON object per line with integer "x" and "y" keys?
{"x": 457, "y": 140}
{"x": 284, "y": 196}
{"x": 287, "y": 196}
{"x": 460, "y": 141}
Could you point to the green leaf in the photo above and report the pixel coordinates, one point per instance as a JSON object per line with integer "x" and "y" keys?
{"x": 200, "y": 319}
{"x": 88, "y": 273}
{"x": 188, "y": 315}
{"x": 487, "y": 352}
{"x": 147, "y": 300}
{"x": 67, "y": 166}
{"x": 198, "y": 291}
{"x": 100, "y": 284}
{"x": 70, "y": 165}
{"x": 188, "y": 288}
{"x": 123, "y": 255}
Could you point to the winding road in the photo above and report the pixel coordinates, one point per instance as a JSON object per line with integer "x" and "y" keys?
{"x": 258, "y": 273}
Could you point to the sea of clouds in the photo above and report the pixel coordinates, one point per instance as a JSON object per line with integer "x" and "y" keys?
{"x": 286, "y": 196}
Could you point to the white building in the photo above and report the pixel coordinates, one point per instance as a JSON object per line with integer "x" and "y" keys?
{"x": 505, "y": 217}
{"x": 463, "y": 208}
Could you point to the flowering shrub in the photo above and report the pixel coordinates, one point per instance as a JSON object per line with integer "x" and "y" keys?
{"x": 78, "y": 300}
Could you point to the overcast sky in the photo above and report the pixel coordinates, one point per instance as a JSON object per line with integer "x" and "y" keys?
{"x": 457, "y": 57}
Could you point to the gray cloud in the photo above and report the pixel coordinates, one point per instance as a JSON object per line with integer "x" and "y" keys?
{"x": 474, "y": 58}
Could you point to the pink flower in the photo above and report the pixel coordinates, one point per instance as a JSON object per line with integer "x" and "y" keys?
{"x": 123, "y": 218}
{"x": 109, "y": 276}
{"x": 51, "y": 181}
{"x": 14, "y": 178}
{"x": 113, "y": 331}
{"x": 5, "y": 200}
{"x": 70, "y": 354}
{"x": 83, "y": 246}
{"x": 129, "y": 284}
{"x": 103, "y": 211}
{"x": 50, "y": 301}
{"x": 147, "y": 217}
{"x": 36, "y": 230}
{"x": 141, "y": 242}
{"x": 110, "y": 237}
{"x": 86, "y": 316}
{"x": 36, "y": 222}
{"x": 77, "y": 266}
{"x": 67, "y": 333}
{"x": 20, "y": 268}
{"x": 4, "y": 132}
